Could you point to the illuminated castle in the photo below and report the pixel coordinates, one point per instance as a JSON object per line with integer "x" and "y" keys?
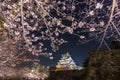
{"x": 66, "y": 63}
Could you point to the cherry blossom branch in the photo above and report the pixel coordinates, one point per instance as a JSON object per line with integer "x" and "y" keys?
{"x": 46, "y": 21}
{"x": 107, "y": 45}
{"x": 115, "y": 28}
{"x": 110, "y": 19}
{"x": 22, "y": 19}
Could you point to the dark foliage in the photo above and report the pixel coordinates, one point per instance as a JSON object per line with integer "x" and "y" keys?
{"x": 115, "y": 45}
{"x": 67, "y": 75}
{"x": 103, "y": 65}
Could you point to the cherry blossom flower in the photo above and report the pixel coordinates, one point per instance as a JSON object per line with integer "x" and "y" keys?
{"x": 56, "y": 33}
{"x": 70, "y": 30}
{"x": 63, "y": 7}
{"x": 99, "y": 6}
{"x": 51, "y": 57}
{"x": 102, "y": 23}
{"x": 91, "y": 13}
{"x": 92, "y": 29}
{"x": 73, "y": 7}
{"x": 17, "y": 33}
{"x": 50, "y": 54}
{"x": 82, "y": 37}
{"x": 81, "y": 24}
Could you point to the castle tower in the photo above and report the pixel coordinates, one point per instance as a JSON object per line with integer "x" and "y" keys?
{"x": 66, "y": 62}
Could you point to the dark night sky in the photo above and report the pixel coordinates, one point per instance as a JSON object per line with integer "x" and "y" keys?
{"x": 78, "y": 52}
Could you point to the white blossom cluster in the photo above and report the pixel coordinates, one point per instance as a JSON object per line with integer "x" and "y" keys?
{"x": 42, "y": 22}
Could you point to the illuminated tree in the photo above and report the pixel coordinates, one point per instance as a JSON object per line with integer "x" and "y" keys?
{"x": 38, "y": 22}
{"x": 12, "y": 54}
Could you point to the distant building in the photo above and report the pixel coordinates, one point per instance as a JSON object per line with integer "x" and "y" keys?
{"x": 66, "y": 63}
{"x": 79, "y": 68}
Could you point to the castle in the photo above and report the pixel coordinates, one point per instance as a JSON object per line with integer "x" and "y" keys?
{"x": 66, "y": 63}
